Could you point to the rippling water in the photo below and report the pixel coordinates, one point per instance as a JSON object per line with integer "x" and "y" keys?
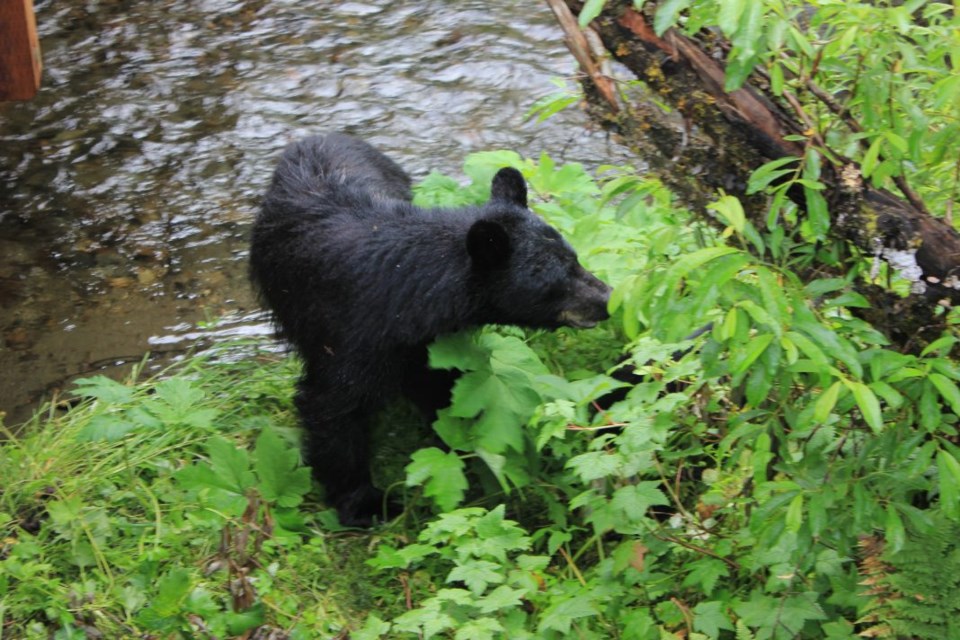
{"x": 128, "y": 185}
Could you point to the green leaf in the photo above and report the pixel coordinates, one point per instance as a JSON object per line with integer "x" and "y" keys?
{"x": 480, "y": 629}
{"x": 748, "y": 31}
{"x": 426, "y": 623}
{"x": 896, "y": 141}
{"x": 930, "y": 416}
{"x": 172, "y": 589}
{"x": 441, "y": 474}
{"x": 282, "y": 479}
{"x": 790, "y": 349}
{"x": 668, "y": 13}
{"x": 949, "y": 479}
{"x": 868, "y": 404}
{"x": 239, "y": 622}
{"x": 561, "y": 613}
{"x": 728, "y": 328}
{"x": 496, "y": 463}
{"x": 730, "y": 209}
{"x": 759, "y": 381}
{"x": 691, "y": 261}
{"x": 230, "y": 464}
{"x": 809, "y": 348}
{"x": 634, "y": 500}
{"x": 177, "y": 401}
{"x": 709, "y": 617}
{"x": 948, "y": 391}
{"x": 760, "y": 316}
{"x": 501, "y": 404}
{"x": 548, "y": 106}
{"x": 780, "y": 618}
{"x": 458, "y": 351}
{"x": 104, "y": 389}
{"x": 817, "y": 212}
{"x": 762, "y": 456}
{"x": 200, "y": 476}
{"x": 373, "y": 629}
{"x": 728, "y": 16}
{"x": 895, "y": 534}
{"x": 796, "y": 611}
{"x": 389, "y": 558}
{"x": 453, "y": 431}
{"x": 482, "y": 166}
{"x": 799, "y": 40}
{"x": 500, "y": 392}
{"x": 870, "y": 158}
{"x": 891, "y": 396}
{"x": 823, "y": 337}
{"x": 794, "y": 519}
{"x": 942, "y": 344}
{"x": 594, "y": 465}
{"x": 179, "y": 394}
{"x": 738, "y": 69}
{"x": 591, "y": 9}
{"x": 476, "y": 575}
{"x": 946, "y": 91}
{"x": 108, "y": 428}
{"x": 774, "y": 299}
{"x": 817, "y": 504}
{"x": 776, "y": 78}
{"x": 751, "y": 352}
{"x": 503, "y": 597}
{"x": 704, "y": 573}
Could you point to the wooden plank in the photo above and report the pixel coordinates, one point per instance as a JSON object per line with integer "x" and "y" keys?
{"x": 20, "y": 62}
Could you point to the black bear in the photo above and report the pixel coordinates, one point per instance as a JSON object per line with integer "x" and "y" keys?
{"x": 361, "y": 281}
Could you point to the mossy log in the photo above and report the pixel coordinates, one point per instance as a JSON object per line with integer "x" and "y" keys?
{"x": 713, "y": 139}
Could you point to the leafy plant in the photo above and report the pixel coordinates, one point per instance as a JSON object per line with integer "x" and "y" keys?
{"x": 875, "y": 80}
{"x": 172, "y": 507}
{"x": 704, "y": 465}
{"x": 764, "y": 430}
{"x": 914, "y": 591}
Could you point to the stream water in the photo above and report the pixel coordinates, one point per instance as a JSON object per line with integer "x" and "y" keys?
{"x": 128, "y": 185}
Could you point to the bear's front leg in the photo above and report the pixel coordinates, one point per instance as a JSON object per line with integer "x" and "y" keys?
{"x": 336, "y": 446}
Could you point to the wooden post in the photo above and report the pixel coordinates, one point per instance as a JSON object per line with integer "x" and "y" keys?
{"x": 20, "y": 63}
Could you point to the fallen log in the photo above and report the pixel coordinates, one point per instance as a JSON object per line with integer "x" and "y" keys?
{"x": 715, "y": 139}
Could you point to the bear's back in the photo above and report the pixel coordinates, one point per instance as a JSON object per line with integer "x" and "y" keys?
{"x": 334, "y": 166}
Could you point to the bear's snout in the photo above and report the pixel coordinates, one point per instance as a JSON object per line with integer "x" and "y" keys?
{"x": 587, "y": 304}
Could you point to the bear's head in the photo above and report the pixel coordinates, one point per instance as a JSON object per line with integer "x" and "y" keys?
{"x": 527, "y": 274}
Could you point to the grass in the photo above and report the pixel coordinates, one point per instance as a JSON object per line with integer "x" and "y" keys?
{"x": 145, "y": 510}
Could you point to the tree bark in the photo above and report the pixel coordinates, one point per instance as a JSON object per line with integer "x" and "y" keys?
{"x": 714, "y": 140}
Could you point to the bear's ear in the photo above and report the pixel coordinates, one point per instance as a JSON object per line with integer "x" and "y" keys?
{"x": 488, "y": 244}
{"x": 508, "y": 185}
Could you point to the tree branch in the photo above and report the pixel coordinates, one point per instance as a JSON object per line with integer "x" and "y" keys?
{"x": 724, "y": 136}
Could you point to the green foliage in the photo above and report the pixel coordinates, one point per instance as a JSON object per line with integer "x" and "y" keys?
{"x": 172, "y": 508}
{"x": 888, "y": 66}
{"x": 724, "y": 496}
{"x": 726, "y": 493}
{"x": 481, "y": 553}
{"x": 926, "y": 577}
{"x": 555, "y": 102}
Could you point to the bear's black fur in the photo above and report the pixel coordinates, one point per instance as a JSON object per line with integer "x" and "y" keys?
{"x": 361, "y": 281}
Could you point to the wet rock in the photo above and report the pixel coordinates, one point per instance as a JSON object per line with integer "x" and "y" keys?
{"x": 18, "y": 338}
{"x": 120, "y": 282}
{"x": 146, "y": 276}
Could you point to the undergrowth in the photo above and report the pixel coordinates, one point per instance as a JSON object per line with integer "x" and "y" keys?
{"x": 174, "y": 507}
{"x": 727, "y": 491}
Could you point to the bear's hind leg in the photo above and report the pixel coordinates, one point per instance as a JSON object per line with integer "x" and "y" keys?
{"x": 336, "y": 446}
{"x": 429, "y": 389}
